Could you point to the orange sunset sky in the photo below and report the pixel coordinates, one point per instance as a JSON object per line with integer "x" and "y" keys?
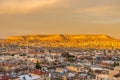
{"x": 23, "y": 17}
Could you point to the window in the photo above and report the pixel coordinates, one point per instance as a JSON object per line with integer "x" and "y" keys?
{"x": 24, "y": 78}
{"x": 30, "y": 76}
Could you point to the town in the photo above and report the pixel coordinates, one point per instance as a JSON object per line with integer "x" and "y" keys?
{"x": 59, "y": 39}
{"x": 38, "y": 63}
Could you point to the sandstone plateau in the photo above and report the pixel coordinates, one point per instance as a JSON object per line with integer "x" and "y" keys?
{"x": 60, "y": 40}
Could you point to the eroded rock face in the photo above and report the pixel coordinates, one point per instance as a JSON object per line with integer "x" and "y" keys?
{"x": 59, "y": 40}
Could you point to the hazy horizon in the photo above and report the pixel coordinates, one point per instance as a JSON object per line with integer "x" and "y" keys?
{"x": 26, "y": 17}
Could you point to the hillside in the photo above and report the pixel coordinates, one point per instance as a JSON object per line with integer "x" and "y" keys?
{"x": 59, "y": 40}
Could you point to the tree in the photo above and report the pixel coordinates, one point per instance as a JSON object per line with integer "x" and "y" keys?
{"x": 115, "y": 64}
{"x": 92, "y": 62}
{"x": 37, "y": 66}
{"x": 69, "y": 57}
{"x": 118, "y": 64}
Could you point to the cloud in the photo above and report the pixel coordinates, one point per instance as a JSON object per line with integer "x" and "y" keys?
{"x": 23, "y": 6}
{"x": 106, "y": 10}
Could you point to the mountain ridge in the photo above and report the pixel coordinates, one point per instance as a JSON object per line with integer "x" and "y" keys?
{"x": 64, "y": 40}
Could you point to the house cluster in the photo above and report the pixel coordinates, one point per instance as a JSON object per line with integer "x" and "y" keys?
{"x": 35, "y": 63}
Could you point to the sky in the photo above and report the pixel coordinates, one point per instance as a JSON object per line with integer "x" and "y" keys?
{"x": 25, "y": 17}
